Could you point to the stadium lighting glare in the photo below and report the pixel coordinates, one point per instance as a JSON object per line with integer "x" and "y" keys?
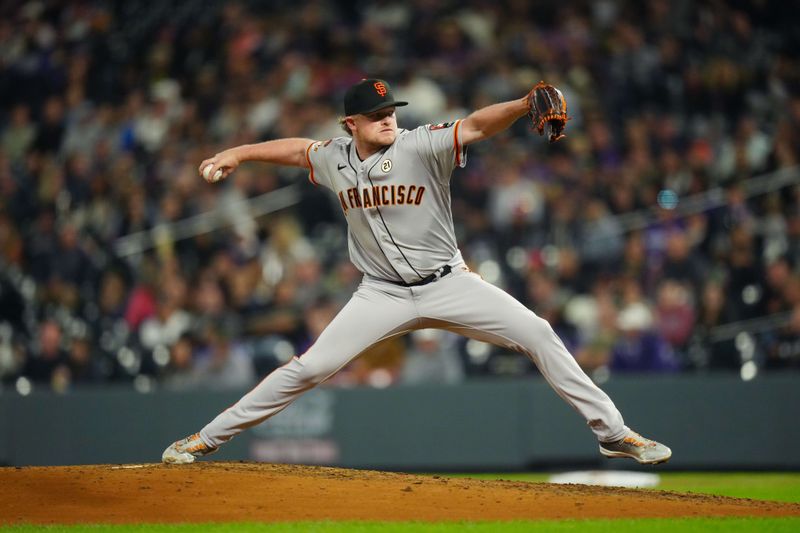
{"x": 746, "y": 346}
{"x": 517, "y": 258}
{"x": 751, "y": 294}
{"x": 161, "y": 355}
{"x": 143, "y": 384}
{"x": 748, "y": 371}
{"x": 477, "y": 351}
{"x": 490, "y": 271}
{"x": 128, "y": 359}
{"x": 24, "y": 386}
{"x": 284, "y": 351}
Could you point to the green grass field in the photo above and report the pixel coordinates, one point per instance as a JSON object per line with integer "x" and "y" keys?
{"x": 766, "y": 486}
{"x": 784, "y": 487}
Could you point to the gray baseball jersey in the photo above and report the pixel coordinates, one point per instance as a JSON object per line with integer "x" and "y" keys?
{"x": 397, "y": 205}
{"x": 397, "y": 201}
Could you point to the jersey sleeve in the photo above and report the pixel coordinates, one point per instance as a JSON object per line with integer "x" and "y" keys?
{"x": 440, "y": 148}
{"x": 319, "y": 155}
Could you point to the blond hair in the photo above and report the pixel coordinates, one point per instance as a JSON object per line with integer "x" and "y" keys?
{"x": 344, "y": 126}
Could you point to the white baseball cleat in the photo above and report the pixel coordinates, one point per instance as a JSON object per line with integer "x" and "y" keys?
{"x": 638, "y": 448}
{"x": 186, "y": 450}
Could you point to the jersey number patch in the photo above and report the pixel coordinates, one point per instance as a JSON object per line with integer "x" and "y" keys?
{"x": 386, "y": 166}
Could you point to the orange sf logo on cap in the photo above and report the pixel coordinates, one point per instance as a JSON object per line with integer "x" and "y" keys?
{"x": 380, "y": 88}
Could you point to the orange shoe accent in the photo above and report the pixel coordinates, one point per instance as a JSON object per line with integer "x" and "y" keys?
{"x": 197, "y": 447}
{"x": 631, "y": 440}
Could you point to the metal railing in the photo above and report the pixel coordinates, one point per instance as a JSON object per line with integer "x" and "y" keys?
{"x": 710, "y": 199}
{"x": 287, "y": 196}
{"x": 209, "y": 221}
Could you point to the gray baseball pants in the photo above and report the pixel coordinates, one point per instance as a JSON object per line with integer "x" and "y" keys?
{"x": 460, "y": 302}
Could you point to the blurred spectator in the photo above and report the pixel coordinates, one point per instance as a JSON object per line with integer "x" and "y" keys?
{"x": 380, "y": 366}
{"x": 83, "y": 364}
{"x": 12, "y": 306}
{"x": 431, "y": 359}
{"x": 51, "y": 127}
{"x": 680, "y": 263}
{"x": 11, "y": 355}
{"x": 283, "y": 314}
{"x": 745, "y": 274}
{"x": 141, "y": 303}
{"x": 179, "y": 371}
{"x": 47, "y": 354}
{"x": 547, "y": 299}
{"x": 514, "y": 201}
{"x": 285, "y": 248}
{"x": 778, "y": 280}
{"x": 415, "y": 87}
{"x": 708, "y": 349}
{"x": 675, "y": 314}
{"x": 222, "y": 363}
{"x": 171, "y": 319}
{"x": 640, "y": 348}
{"x": 209, "y": 305}
{"x": 601, "y": 238}
{"x": 595, "y": 318}
{"x": 783, "y": 346}
{"x": 19, "y": 135}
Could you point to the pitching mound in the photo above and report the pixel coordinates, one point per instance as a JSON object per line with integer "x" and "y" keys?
{"x": 227, "y": 492}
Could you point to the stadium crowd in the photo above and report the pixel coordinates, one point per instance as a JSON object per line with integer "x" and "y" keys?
{"x": 663, "y": 235}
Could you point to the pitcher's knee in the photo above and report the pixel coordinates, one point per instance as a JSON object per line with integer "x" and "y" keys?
{"x": 538, "y": 327}
{"x": 312, "y": 373}
{"x": 527, "y": 333}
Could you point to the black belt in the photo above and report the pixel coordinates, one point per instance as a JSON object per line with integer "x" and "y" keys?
{"x": 439, "y": 273}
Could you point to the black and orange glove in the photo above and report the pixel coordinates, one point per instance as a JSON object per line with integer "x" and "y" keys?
{"x": 547, "y": 107}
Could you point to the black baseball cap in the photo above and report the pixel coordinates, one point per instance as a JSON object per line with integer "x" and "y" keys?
{"x": 368, "y": 96}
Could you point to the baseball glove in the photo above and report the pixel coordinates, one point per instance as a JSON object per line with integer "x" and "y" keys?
{"x": 547, "y": 107}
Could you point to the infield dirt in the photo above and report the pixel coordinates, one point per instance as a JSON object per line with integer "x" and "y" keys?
{"x": 251, "y": 492}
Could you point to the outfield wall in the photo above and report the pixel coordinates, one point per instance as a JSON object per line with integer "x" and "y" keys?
{"x": 714, "y": 422}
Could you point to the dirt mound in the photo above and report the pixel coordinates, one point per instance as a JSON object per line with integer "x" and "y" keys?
{"x": 225, "y": 492}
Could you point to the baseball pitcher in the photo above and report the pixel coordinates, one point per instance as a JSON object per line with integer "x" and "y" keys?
{"x": 393, "y": 186}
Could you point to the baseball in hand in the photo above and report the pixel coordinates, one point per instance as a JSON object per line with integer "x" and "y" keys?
{"x": 207, "y": 171}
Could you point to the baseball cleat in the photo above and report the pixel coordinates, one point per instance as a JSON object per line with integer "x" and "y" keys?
{"x": 638, "y": 448}
{"x": 186, "y": 450}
